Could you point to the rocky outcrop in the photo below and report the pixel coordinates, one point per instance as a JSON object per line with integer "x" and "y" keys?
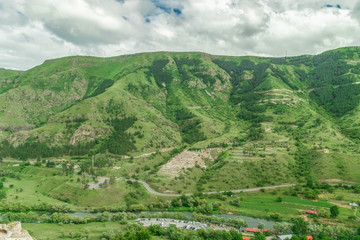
{"x": 13, "y": 231}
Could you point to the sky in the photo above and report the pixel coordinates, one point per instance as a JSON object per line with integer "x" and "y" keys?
{"x": 32, "y": 31}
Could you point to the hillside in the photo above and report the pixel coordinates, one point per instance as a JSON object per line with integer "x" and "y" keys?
{"x": 264, "y": 121}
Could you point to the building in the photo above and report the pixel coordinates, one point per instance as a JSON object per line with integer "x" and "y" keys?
{"x": 354, "y": 204}
{"x": 311, "y": 211}
{"x": 252, "y": 230}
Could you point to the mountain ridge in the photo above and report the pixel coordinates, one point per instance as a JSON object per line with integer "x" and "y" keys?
{"x": 144, "y": 102}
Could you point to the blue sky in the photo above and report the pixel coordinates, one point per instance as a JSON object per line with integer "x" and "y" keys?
{"x": 32, "y": 31}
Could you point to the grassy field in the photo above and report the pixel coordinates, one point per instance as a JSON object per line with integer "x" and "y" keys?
{"x": 37, "y": 185}
{"x": 48, "y": 185}
{"x": 94, "y": 231}
{"x": 264, "y": 205}
{"x": 40, "y": 184}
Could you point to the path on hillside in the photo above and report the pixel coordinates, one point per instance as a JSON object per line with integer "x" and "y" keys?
{"x": 152, "y": 191}
{"x": 148, "y": 154}
{"x": 93, "y": 185}
{"x": 149, "y": 189}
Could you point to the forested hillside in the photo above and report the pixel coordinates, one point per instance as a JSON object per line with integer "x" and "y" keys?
{"x": 275, "y": 119}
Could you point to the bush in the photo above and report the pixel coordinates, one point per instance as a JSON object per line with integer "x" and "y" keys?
{"x": 334, "y": 211}
{"x": 2, "y": 194}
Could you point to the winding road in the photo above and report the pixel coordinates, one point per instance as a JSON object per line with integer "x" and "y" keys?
{"x": 152, "y": 191}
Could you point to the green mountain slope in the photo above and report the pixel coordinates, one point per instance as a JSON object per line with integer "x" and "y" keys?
{"x": 278, "y": 119}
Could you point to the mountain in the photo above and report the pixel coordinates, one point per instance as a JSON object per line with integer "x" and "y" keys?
{"x": 276, "y": 119}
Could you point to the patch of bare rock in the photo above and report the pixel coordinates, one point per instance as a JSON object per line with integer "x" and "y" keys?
{"x": 13, "y": 231}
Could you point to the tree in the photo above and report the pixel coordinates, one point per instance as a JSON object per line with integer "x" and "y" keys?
{"x": 235, "y": 235}
{"x": 108, "y": 235}
{"x": 334, "y": 211}
{"x": 323, "y": 213}
{"x": 259, "y": 236}
{"x": 134, "y": 232}
{"x": 298, "y": 238}
{"x": 283, "y": 228}
{"x": 261, "y": 225}
{"x": 330, "y": 231}
{"x": 103, "y": 217}
{"x": 256, "y": 133}
{"x": 299, "y": 227}
{"x": 50, "y": 164}
{"x": 184, "y": 200}
{"x": 343, "y": 233}
{"x": 239, "y": 222}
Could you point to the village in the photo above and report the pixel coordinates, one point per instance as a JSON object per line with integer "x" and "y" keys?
{"x": 248, "y": 233}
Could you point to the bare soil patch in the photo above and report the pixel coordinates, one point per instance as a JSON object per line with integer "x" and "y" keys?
{"x": 148, "y": 154}
{"x": 97, "y": 185}
{"x": 322, "y": 196}
{"x": 340, "y": 204}
{"x": 333, "y": 180}
{"x": 186, "y": 159}
{"x": 66, "y": 196}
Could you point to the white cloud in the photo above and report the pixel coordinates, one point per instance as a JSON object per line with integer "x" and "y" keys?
{"x": 25, "y": 46}
{"x": 89, "y": 22}
{"x": 309, "y": 32}
{"x": 32, "y": 31}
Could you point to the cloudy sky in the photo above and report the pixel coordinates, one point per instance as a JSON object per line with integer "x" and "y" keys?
{"x": 32, "y": 31}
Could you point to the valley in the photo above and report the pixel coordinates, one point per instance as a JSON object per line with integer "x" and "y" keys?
{"x": 181, "y": 132}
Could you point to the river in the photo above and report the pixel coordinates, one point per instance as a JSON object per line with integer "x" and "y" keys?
{"x": 251, "y": 221}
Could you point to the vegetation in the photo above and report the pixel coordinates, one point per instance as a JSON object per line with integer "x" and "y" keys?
{"x": 120, "y": 142}
{"x": 74, "y": 130}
